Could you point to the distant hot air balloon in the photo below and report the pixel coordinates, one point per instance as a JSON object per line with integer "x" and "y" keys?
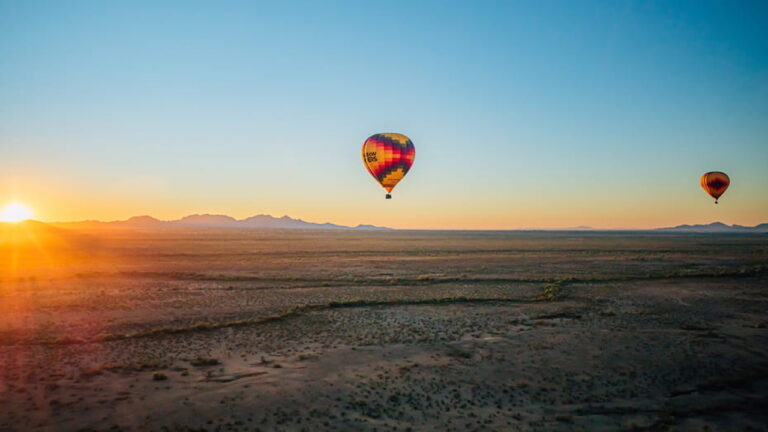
{"x": 715, "y": 183}
{"x": 388, "y": 157}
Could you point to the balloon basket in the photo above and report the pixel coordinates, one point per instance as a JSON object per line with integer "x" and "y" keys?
{"x": 388, "y": 196}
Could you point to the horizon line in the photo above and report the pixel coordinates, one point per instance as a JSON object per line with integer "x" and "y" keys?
{"x": 522, "y": 229}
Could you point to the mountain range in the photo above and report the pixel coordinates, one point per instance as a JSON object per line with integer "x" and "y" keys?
{"x": 218, "y": 221}
{"x": 263, "y": 221}
{"x": 717, "y": 227}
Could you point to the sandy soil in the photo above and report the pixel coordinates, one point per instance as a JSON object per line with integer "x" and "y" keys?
{"x": 386, "y": 331}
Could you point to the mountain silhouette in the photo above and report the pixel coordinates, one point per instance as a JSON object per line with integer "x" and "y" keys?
{"x": 261, "y": 221}
{"x": 717, "y": 227}
{"x": 206, "y": 220}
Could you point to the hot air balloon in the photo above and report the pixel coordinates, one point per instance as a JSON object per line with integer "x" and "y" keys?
{"x": 388, "y": 157}
{"x": 715, "y": 183}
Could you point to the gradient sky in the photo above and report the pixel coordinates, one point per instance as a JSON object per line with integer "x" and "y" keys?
{"x": 524, "y": 114}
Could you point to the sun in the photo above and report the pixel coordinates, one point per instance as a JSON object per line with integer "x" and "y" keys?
{"x": 15, "y": 212}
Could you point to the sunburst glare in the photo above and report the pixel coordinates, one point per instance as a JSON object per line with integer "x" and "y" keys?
{"x": 15, "y": 212}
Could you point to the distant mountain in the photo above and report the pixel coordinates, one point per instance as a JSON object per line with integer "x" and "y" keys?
{"x": 717, "y": 227}
{"x": 371, "y": 227}
{"x": 763, "y": 227}
{"x": 141, "y": 221}
{"x": 206, "y": 220}
{"x": 217, "y": 221}
{"x": 267, "y": 221}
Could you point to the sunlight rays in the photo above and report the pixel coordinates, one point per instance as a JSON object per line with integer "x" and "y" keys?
{"x": 15, "y": 212}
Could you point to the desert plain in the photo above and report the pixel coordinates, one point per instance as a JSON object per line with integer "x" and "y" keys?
{"x": 377, "y": 330}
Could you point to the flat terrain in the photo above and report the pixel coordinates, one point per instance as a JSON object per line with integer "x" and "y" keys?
{"x": 381, "y": 331}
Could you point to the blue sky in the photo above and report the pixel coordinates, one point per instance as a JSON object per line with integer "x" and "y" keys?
{"x": 545, "y": 114}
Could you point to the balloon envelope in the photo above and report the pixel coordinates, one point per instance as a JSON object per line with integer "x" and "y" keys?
{"x": 388, "y": 157}
{"x": 715, "y": 183}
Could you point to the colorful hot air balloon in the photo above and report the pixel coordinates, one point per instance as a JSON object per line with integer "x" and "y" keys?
{"x": 388, "y": 157}
{"x": 715, "y": 183}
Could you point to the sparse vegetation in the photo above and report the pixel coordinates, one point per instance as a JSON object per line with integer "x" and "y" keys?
{"x": 203, "y": 361}
{"x": 696, "y": 326}
{"x": 500, "y": 325}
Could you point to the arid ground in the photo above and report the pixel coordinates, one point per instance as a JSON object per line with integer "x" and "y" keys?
{"x": 271, "y": 330}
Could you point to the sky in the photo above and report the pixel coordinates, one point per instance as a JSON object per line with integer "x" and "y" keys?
{"x": 539, "y": 114}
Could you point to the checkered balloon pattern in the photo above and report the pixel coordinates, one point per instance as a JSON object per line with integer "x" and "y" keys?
{"x": 388, "y": 157}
